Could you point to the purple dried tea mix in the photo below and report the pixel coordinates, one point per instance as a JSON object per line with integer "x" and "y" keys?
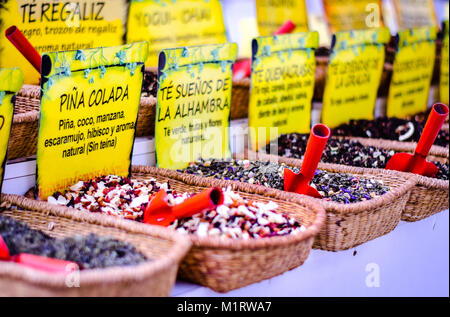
{"x": 337, "y": 187}
{"x": 89, "y": 252}
{"x": 345, "y": 152}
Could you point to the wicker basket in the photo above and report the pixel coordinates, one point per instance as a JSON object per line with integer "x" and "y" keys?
{"x": 227, "y": 264}
{"x": 430, "y": 195}
{"x": 25, "y": 127}
{"x": 240, "y": 99}
{"x": 146, "y": 117}
{"x": 347, "y": 226}
{"x": 24, "y": 131}
{"x": 163, "y": 247}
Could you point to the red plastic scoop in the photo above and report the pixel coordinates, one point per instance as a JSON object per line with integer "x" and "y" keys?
{"x": 299, "y": 183}
{"x": 24, "y": 46}
{"x": 243, "y": 68}
{"x": 35, "y": 261}
{"x": 159, "y": 212}
{"x": 417, "y": 163}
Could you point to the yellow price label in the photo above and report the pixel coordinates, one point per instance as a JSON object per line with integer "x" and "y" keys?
{"x": 89, "y": 106}
{"x": 11, "y": 81}
{"x": 272, "y": 14}
{"x": 347, "y": 15}
{"x": 412, "y": 72}
{"x": 283, "y": 72}
{"x": 415, "y": 13}
{"x": 60, "y": 25}
{"x": 354, "y": 75}
{"x": 175, "y": 23}
{"x": 193, "y": 109}
{"x": 444, "y": 87}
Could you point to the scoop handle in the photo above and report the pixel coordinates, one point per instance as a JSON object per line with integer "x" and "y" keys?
{"x": 434, "y": 124}
{"x": 207, "y": 200}
{"x": 318, "y": 139}
{"x": 44, "y": 264}
{"x": 4, "y": 251}
{"x": 286, "y": 27}
{"x": 22, "y": 44}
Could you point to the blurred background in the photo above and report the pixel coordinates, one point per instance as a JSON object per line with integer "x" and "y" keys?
{"x": 241, "y": 23}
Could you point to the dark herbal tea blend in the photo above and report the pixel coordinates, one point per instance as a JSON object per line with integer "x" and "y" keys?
{"x": 235, "y": 218}
{"x": 342, "y": 188}
{"x": 346, "y": 152}
{"x": 89, "y": 252}
{"x": 389, "y": 129}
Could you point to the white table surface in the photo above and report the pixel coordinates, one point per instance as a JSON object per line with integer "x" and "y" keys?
{"x": 413, "y": 260}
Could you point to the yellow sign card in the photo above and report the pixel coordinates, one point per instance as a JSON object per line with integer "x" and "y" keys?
{"x": 193, "y": 109}
{"x": 347, "y": 15}
{"x": 444, "y": 87}
{"x": 89, "y": 106}
{"x": 354, "y": 75}
{"x": 272, "y": 14}
{"x": 412, "y": 72}
{"x": 60, "y": 25}
{"x": 282, "y": 86}
{"x": 11, "y": 81}
{"x": 174, "y": 23}
{"x": 415, "y": 13}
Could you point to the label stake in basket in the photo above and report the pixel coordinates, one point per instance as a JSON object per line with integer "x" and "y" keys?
{"x": 193, "y": 104}
{"x": 299, "y": 183}
{"x": 169, "y": 24}
{"x": 353, "y": 14}
{"x": 417, "y": 163}
{"x": 271, "y": 14}
{"x": 282, "y": 86}
{"x": 54, "y": 26}
{"x": 11, "y": 81}
{"x": 412, "y": 72}
{"x": 444, "y": 78}
{"x": 354, "y": 75}
{"x": 89, "y": 107}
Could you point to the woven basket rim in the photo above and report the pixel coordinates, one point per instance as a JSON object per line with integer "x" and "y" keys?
{"x": 237, "y": 244}
{"x": 30, "y": 91}
{"x": 399, "y": 146}
{"x": 148, "y": 101}
{"x": 179, "y": 248}
{"x": 339, "y": 208}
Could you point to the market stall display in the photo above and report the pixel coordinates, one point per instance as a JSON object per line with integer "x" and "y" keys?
{"x": 93, "y": 224}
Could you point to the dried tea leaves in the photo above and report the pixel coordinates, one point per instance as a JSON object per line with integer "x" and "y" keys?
{"x": 89, "y": 252}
